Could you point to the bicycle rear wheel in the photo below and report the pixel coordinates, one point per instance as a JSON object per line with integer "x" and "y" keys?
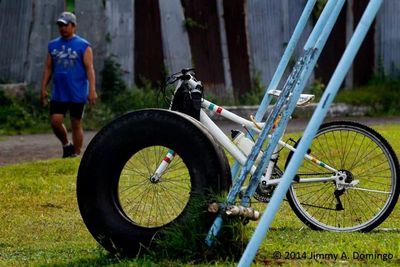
{"x": 368, "y": 161}
{"x": 121, "y": 201}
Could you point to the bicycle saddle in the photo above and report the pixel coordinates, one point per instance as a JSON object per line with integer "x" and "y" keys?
{"x": 304, "y": 100}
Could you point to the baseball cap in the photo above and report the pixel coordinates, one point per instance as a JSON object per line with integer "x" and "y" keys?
{"x": 67, "y": 17}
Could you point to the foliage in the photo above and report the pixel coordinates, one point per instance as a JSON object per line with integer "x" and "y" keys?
{"x": 381, "y": 94}
{"x": 317, "y": 88}
{"x": 190, "y": 23}
{"x": 118, "y": 98}
{"x": 70, "y": 5}
{"x": 25, "y": 115}
{"x": 255, "y": 95}
{"x": 20, "y": 113}
{"x": 186, "y": 241}
{"x": 112, "y": 84}
{"x": 319, "y": 6}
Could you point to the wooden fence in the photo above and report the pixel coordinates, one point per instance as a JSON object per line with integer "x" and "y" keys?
{"x": 229, "y": 42}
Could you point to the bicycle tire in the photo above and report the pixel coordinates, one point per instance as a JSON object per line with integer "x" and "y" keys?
{"x": 116, "y": 159}
{"x": 368, "y": 158}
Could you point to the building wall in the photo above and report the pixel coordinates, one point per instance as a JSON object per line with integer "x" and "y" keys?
{"x": 387, "y": 38}
{"x": 229, "y": 42}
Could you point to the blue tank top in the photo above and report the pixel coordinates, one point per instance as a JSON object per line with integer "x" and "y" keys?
{"x": 70, "y": 83}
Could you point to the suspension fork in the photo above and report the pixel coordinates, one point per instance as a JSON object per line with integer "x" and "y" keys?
{"x": 163, "y": 166}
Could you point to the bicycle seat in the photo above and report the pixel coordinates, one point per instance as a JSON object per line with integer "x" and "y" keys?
{"x": 303, "y": 101}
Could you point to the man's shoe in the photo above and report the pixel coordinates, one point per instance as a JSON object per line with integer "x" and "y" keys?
{"x": 68, "y": 150}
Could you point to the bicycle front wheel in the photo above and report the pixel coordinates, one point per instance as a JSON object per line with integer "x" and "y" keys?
{"x": 372, "y": 172}
{"x": 124, "y": 198}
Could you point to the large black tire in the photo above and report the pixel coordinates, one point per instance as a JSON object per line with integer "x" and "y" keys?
{"x": 121, "y": 215}
{"x": 367, "y": 158}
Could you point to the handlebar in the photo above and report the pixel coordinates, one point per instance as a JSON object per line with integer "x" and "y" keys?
{"x": 184, "y": 74}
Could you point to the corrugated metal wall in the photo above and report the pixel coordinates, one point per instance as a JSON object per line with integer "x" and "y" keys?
{"x": 265, "y": 36}
{"x": 15, "y": 30}
{"x": 230, "y": 42}
{"x": 42, "y": 30}
{"x": 90, "y": 15}
{"x": 176, "y": 45}
{"x": 120, "y": 35}
{"x": 26, "y": 27}
{"x": 270, "y": 25}
{"x": 388, "y": 37}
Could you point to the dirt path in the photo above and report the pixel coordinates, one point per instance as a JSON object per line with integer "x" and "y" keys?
{"x": 25, "y": 148}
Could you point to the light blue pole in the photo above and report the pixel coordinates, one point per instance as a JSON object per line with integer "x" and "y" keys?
{"x": 316, "y": 120}
{"x": 283, "y": 63}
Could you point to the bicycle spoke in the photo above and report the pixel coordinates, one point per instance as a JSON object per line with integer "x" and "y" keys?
{"x": 150, "y": 203}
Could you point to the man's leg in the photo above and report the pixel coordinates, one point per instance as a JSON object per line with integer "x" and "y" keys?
{"x": 77, "y": 134}
{"x": 57, "y": 114}
{"x": 57, "y": 123}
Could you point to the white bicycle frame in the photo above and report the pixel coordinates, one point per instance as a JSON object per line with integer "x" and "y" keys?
{"x": 225, "y": 142}
{"x": 237, "y": 154}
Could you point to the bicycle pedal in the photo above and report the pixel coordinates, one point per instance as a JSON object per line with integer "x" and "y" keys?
{"x": 245, "y": 212}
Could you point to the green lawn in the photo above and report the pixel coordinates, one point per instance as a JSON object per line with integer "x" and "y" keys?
{"x": 40, "y": 225}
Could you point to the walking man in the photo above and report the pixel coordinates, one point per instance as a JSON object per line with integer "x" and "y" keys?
{"x": 69, "y": 63}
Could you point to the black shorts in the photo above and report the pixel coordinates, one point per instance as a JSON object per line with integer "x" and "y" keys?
{"x": 75, "y": 109}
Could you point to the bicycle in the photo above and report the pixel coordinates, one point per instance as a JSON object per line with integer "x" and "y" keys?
{"x": 141, "y": 172}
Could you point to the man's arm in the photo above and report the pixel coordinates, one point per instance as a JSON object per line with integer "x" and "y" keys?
{"x": 88, "y": 61}
{"x": 47, "y": 72}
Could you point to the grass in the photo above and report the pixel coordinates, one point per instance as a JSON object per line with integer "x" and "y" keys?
{"x": 40, "y": 225}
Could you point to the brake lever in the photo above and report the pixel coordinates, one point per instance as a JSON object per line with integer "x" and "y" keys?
{"x": 185, "y": 71}
{"x": 173, "y": 78}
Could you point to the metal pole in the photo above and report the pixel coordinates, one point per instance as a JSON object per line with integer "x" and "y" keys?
{"x": 316, "y": 120}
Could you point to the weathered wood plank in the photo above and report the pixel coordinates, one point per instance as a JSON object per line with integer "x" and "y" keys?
{"x": 203, "y": 28}
{"x": 149, "y": 58}
{"x": 333, "y": 49}
{"x": 363, "y": 66}
{"x": 235, "y": 26}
